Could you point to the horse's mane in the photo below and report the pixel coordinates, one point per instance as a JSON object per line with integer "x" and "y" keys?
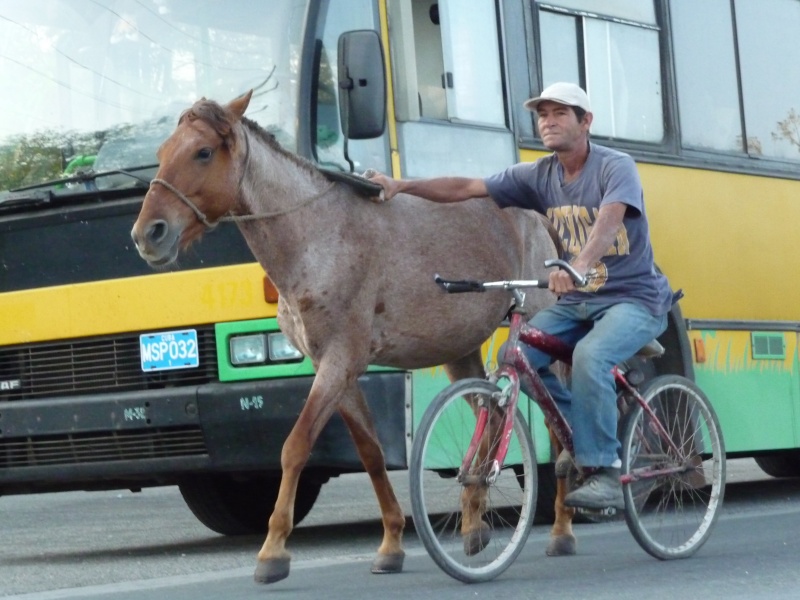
{"x": 222, "y": 121}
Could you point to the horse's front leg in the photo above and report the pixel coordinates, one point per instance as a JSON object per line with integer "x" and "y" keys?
{"x": 273, "y": 558}
{"x": 356, "y": 415}
{"x": 562, "y": 539}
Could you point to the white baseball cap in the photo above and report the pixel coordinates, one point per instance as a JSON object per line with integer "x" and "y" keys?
{"x": 563, "y": 93}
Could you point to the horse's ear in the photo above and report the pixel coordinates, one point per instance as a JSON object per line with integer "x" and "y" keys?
{"x": 239, "y": 105}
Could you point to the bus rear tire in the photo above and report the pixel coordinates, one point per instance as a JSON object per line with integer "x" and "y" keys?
{"x": 782, "y": 464}
{"x": 242, "y": 507}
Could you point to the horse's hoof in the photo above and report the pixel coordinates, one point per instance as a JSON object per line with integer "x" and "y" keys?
{"x": 272, "y": 570}
{"x": 562, "y": 545}
{"x": 476, "y": 540}
{"x": 388, "y": 563}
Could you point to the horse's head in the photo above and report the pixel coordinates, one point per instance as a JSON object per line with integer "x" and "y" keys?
{"x": 197, "y": 180}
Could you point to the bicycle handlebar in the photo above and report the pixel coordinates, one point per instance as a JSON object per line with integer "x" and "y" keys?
{"x": 458, "y": 287}
{"x": 578, "y": 279}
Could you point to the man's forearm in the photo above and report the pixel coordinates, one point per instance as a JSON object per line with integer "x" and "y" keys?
{"x": 603, "y": 234}
{"x": 438, "y": 189}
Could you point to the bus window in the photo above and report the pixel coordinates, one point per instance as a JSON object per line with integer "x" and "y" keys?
{"x": 447, "y": 57}
{"x": 560, "y": 58}
{"x": 617, "y": 55}
{"x": 429, "y": 58}
{"x": 472, "y": 62}
{"x": 771, "y": 119}
{"x": 78, "y": 76}
{"x": 708, "y": 92}
{"x": 630, "y": 10}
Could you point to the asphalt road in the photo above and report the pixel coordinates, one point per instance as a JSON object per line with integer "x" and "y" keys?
{"x": 122, "y": 546}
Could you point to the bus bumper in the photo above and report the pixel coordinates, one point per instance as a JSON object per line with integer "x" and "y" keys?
{"x": 136, "y": 439}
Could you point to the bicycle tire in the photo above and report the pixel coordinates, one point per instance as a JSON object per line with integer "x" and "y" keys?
{"x": 672, "y": 515}
{"x": 439, "y": 447}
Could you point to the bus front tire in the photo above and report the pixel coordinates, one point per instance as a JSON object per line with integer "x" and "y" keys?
{"x": 242, "y": 507}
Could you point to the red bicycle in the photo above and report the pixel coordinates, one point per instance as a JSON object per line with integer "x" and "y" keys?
{"x": 474, "y": 470}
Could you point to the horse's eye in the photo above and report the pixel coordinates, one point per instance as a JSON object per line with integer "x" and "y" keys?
{"x": 204, "y": 153}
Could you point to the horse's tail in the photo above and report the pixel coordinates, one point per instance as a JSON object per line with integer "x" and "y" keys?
{"x": 551, "y": 230}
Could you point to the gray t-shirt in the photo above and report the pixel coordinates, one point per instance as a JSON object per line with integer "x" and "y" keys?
{"x": 626, "y": 271}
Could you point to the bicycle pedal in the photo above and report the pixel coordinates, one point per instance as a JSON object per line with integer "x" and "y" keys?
{"x": 600, "y": 514}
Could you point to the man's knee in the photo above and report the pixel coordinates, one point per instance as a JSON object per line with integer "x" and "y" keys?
{"x": 589, "y": 352}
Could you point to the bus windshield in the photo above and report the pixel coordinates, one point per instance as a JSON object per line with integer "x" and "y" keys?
{"x": 99, "y": 84}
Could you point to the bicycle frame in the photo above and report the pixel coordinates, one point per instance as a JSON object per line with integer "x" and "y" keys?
{"x": 515, "y": 367}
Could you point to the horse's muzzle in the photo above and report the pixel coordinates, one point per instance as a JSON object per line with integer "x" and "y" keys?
{"x": 156, "y": 242}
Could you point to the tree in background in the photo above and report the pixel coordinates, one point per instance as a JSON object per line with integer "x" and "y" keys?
{"x": 42, "y": 156}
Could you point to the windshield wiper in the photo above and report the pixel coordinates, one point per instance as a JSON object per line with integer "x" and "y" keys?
{"x": 89, "y": 176}
{"x": 47, "y": 191}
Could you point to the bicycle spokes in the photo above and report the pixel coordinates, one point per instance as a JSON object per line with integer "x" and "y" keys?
{"x": 472, "y": 515}
{"x": 673, "y": 468}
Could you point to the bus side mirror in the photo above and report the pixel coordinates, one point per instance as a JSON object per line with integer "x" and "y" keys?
{"x": 362, "y": 85}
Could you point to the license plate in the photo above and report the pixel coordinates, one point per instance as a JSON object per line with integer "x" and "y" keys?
{"x": 169, "y": 350}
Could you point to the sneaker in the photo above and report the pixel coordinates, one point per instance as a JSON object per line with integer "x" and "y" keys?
{"x": 602, "y": 489}
{"x": 565, "y": 465}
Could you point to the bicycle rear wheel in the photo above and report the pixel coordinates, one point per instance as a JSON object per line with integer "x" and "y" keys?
{"x": 677, "y": 480}
{"x": 471, "y": 525}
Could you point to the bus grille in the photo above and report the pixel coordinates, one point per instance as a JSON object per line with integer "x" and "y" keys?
{"x": 82, "y": 448}
{"x": 94, "y": 365}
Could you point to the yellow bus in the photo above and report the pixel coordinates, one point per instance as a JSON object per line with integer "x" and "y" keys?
{"x": 116, "y": 377}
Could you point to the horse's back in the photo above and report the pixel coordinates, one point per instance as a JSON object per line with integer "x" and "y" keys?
{"x": 474, "y": 240}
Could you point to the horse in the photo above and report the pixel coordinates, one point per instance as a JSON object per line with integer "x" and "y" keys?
{"x": 355, "y": 281}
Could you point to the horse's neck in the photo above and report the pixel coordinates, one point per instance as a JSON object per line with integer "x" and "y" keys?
{"x": 272, "y": 183}
{"x": 273, "y": 180}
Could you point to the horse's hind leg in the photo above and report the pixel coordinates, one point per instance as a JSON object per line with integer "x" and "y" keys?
{"x": 562, "y": 539}
{"x": 273, "y": 559}
{"x": 475, "y": 531}
{"x": 355, "y": 412}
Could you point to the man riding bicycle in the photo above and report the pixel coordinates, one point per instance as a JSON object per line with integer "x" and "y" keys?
{"x": 593, "y": 197}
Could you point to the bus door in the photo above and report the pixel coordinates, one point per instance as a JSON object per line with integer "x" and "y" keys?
{"x": 447, "y": 91}
{"x": 450, "y": 66}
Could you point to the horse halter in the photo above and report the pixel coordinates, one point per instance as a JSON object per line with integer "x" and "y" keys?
{"x": 237, "y": 218}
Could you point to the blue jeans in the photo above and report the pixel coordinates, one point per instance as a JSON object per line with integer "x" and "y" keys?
{"x": 603, "y": 336}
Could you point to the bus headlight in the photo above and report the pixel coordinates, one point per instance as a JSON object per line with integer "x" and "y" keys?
{"x": 248, "y": 349}
{"x": 262, "y": 349}
{"x": 281, "y": 349}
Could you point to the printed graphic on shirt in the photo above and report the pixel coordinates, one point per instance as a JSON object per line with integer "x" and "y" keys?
{"x": 595, "y": 278}
{"x": 573, "y": 224}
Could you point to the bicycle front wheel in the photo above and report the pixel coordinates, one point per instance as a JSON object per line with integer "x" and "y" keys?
{"x": 475, "y": 523}
{"x": 673, "y": 469}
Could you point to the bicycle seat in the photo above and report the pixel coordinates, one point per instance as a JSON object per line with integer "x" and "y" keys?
{"x": 652, "y": 349}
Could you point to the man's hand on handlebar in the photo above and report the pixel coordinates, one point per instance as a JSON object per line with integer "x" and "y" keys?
{"x": 566, "y": 278}
{"x": 561, "y": 282}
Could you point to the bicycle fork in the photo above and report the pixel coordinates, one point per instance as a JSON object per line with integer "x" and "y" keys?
{"x": 506, "y": 399}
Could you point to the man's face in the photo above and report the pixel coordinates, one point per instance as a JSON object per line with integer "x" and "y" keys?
{"x": 559, "y": 126}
